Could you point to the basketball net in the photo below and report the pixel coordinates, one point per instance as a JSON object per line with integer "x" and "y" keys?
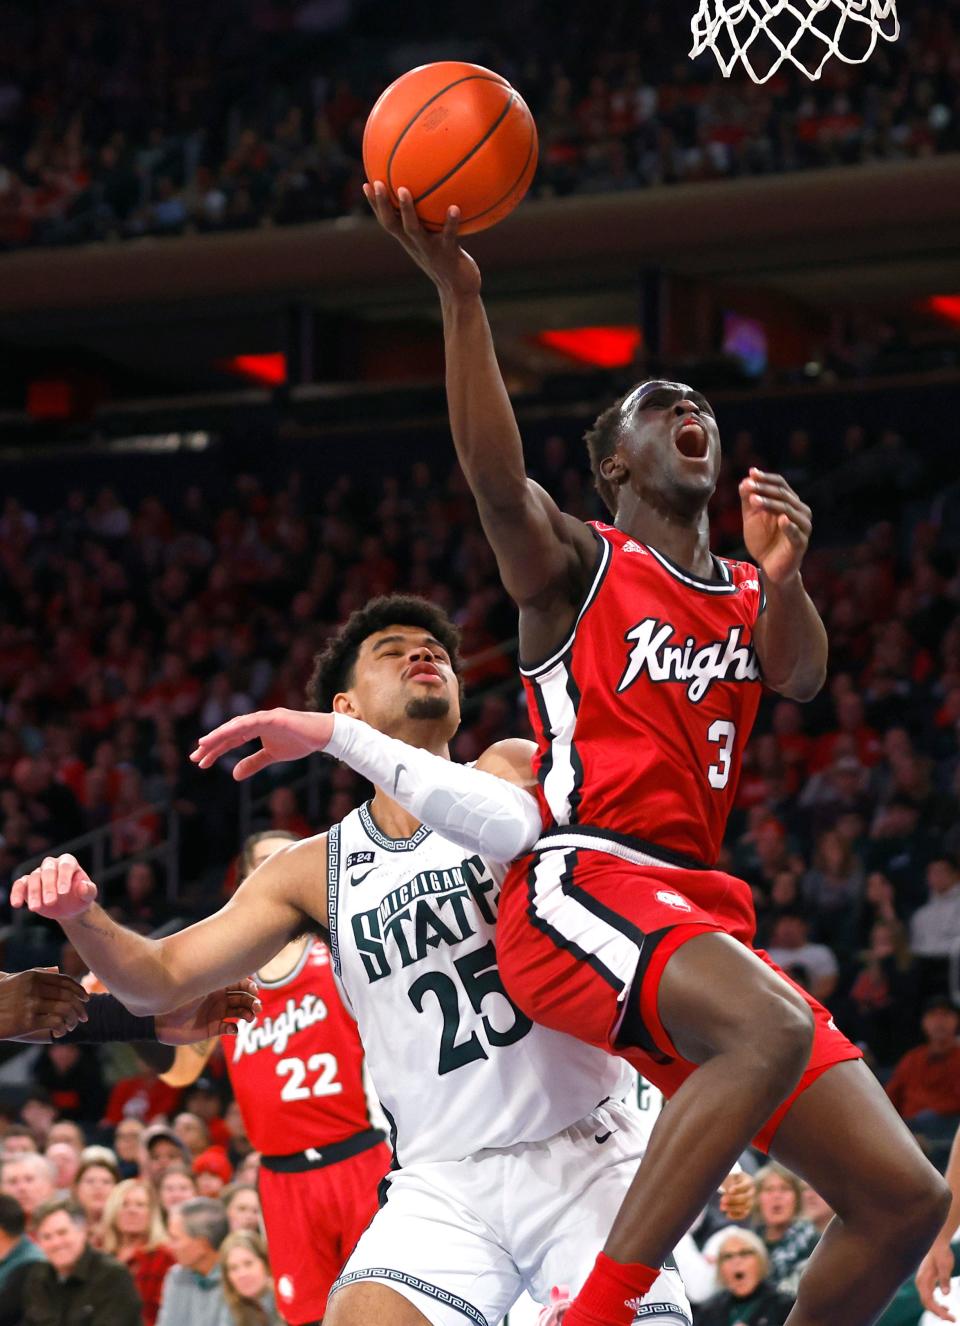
{"x": 763, "y": 34}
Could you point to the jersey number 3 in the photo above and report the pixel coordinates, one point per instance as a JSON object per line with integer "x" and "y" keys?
{"x": 479, "y": 978}
{"x": 723, "y": 733}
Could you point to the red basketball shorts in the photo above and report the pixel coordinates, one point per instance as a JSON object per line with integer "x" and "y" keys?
{"x": 313, "y": 1219}
{"x": 580, "y": 930}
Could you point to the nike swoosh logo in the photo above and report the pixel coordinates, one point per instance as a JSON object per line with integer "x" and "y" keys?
{"x": 401, "y": 768}
{"x": 603, "y": 1137}
{"x": 358, "y": 879}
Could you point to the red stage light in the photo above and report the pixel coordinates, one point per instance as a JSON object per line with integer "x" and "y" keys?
{"x": 602, "y": 347}
{"x": 948, "y": 306}
{"x": 269, "y": 370}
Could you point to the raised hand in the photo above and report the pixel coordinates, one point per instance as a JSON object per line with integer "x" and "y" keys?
{"x": 214, "y": 1014}
{"x": 41, "y": 999}
{"x": 285, "y": 734}
{"x": 59, "y": 888}
{"x": 438, "y": 254}
{"x": 776, "y": 525}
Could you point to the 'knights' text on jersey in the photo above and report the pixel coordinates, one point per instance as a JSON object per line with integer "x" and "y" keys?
{"x": 641, "y": 717}
{"x": 297, "y": 1072}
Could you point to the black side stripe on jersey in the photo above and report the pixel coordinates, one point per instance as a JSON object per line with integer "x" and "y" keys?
{"x": 333, "y": 881}
{"x": 588, "y": 832}
{"x": 573, "y": 691}
{"x": 555, "y": 936}
{"x": 546, "y": 764}
{"x": 604, "y": 555}
{"x": 423, "y": 1286}
{"x": 632, "y": 1032}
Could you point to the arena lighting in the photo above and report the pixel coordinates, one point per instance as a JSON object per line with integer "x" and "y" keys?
{"x": 601, "y": 347}
{"x": 948, "y": 306}
{"x": 269, "y": 370}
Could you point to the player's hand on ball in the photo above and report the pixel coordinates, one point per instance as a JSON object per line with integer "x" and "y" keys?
{"x": 59, "y": 889}
{"x": 440, "y": 254}
{"x": 776, "y": 525}
{"x": 738, "y": 1194}
{"x": 285, "y": 734}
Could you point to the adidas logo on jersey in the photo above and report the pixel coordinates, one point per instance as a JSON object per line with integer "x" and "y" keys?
{"x": 631, "y": 545}
{"x": 654, "y": 653}
{"x": 275, "y": 1033}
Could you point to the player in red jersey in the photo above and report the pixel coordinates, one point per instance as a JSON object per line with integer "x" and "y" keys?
{"x": 297, "y": 1075}
{"x": 644, "y": 655}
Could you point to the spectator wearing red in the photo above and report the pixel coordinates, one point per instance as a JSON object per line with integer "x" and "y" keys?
{"x": 141, "y": 1097}
{"x": 850, "y": 723}
{"x": 925, "y": 1085}
{"x": 133, "y": 1232}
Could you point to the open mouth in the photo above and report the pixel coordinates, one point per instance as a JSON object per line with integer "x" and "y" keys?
{"x": 424, "y": 672}
{"x": 691, "y": 440}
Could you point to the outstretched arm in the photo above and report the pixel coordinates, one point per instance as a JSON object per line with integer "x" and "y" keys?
{"x": 156, "y": 975}
{"x": 487, "y": 809}
{"x": 545, "y": 557}
{"x": 789, "y": 636}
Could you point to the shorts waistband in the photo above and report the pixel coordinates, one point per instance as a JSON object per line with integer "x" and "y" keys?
{"x": 635, "y": 850}
{"x": 316, "y": 1157}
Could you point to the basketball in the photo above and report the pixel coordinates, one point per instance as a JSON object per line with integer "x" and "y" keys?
{"x": 453, "y": 134}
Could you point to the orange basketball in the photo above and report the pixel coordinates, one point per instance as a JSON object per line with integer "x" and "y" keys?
{"x": 453, "y": 134}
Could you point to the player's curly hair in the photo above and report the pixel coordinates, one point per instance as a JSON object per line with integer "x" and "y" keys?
{"x": 333, "y": 666}
{"x": 602, "y": 440}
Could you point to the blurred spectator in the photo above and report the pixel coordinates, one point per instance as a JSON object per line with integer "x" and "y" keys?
{"x": 202, "y": 1099}
{"x": 192, "y": 1132}
{"x": 175, "y": 1186}
{"x": 884, "y": 997}
{"x": 788, "y": 1237}
{"x": 746, "y": 1294}
{"x": 65, "y": 1160}
{"x": 66, "y": 1130}
{"x": 247, "y": 1282}
{"x": 162, "y": 1148}
{"x": 96, "y": 1179}
{"x": 76, "y": 1282}
{"x": 192, "y": 1290}
{"x": 28, "y": 1178}
{"x": 19, "y": 1140}
{"x": 142, "y": 1097}
{"x": 814, "y": 966}
{"x": 127, "y": 1142}
{"x": 17, "y": 1255}
{"x": 925, "y": 1085}
{"x": 243, "y": 1208}
{"x": 39, "y": 1113}
{"x": 133, "y": 1231}
{"x": 73, "y": 1079}
{"x": 935, "y": 927}
{"x": 212, "y": 1171}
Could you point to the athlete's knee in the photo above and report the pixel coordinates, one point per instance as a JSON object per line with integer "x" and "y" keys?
{"x": 921, "y": 1207}
{"x": 790, "y": 1026}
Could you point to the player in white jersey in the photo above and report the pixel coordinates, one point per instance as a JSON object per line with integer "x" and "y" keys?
{"x": 513, "y": 1149}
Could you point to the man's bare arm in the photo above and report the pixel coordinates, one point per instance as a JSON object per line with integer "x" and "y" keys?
{"x": 274, "y": 904}
{"x": 545, "y": 557}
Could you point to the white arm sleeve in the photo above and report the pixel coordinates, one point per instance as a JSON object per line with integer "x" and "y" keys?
{"x": 475, "y": 810}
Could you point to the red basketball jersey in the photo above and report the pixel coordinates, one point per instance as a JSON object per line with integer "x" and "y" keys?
{"x": 297, "y": 1071}
{"x": 641, "y": 716}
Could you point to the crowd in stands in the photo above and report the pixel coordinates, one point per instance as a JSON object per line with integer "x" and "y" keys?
{"x": 130, "y": 625}
{"x": 119, "y": 122}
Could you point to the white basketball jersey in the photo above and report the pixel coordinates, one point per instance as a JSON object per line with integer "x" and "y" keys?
{"x": 456, "y": 1065}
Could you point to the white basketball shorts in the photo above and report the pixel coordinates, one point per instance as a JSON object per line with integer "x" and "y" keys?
{"x": 463, "y": 1239}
